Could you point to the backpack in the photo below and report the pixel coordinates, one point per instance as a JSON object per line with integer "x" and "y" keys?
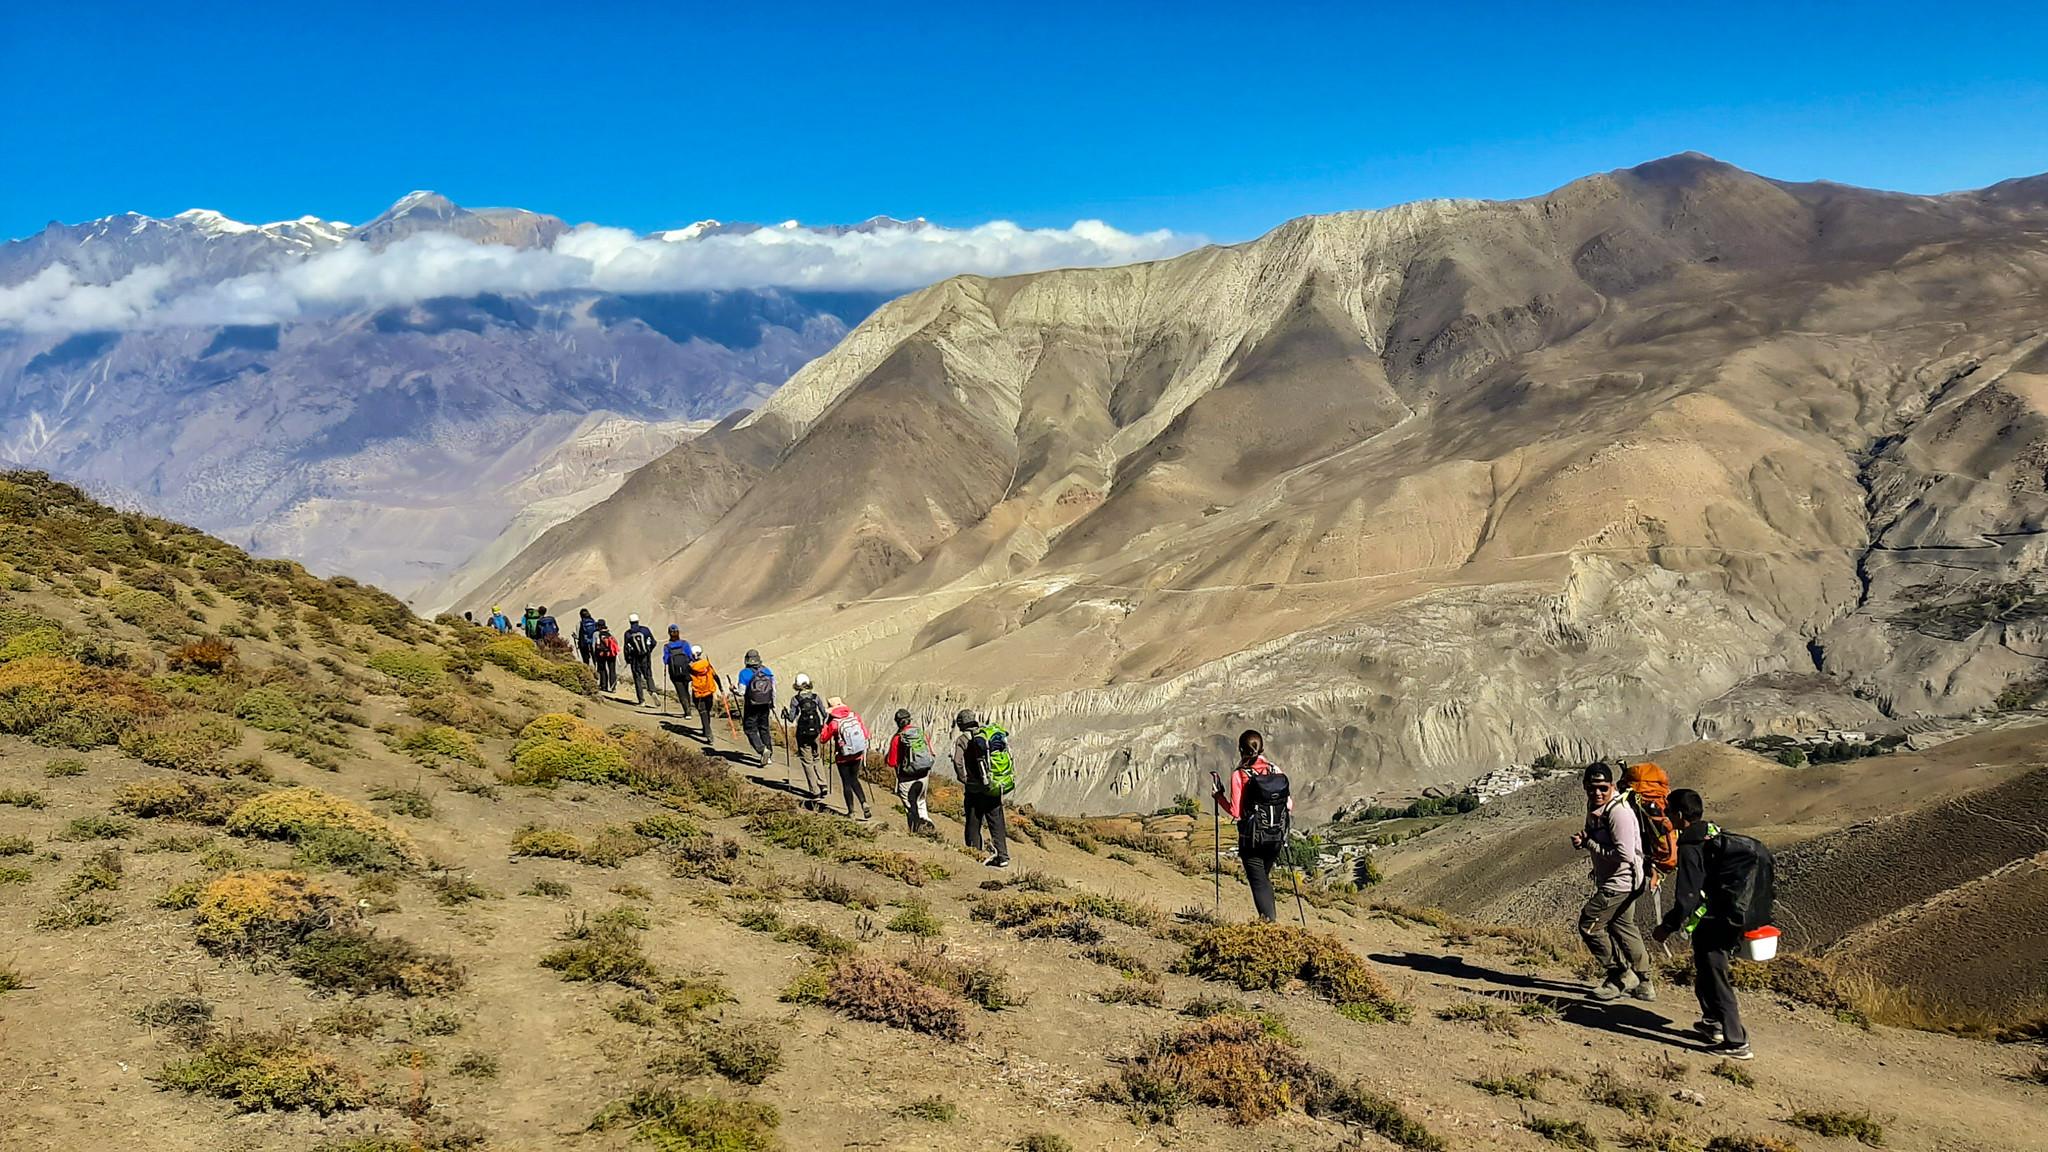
{"x": 679, "y": 663}
{"x": 1266, "y": 818}
{"x": 761, "y": 692}
{"x": 1002, "y": 771}
{"x": 917, "y": 761}
{"x": 639, "y": 643}
{"x": 547, "y": 627}
{"x": 810, "y": 716}
{"x": 609, "y": 645}
{"x": 852, "y": 735}
{"x": 1648, "y": 790}
{"x": 1742, "y": 886}
{"x": 703, "y": 679}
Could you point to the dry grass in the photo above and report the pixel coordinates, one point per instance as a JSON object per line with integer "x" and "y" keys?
{"x": 882, "y": 993}
{"x": 1226, "y": 1061}
{"x": 1860, "y": 1126}
{"x": 1258, "y": 956}
{"x": 977, "y": 981}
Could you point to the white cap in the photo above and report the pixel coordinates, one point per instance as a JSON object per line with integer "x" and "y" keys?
{"x": 632, "y": 617}
{"x": 803, "y": 681}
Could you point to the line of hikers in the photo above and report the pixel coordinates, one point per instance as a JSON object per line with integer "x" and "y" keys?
{"x": 813, "y": 726}
{"x": 1638, "y": 831}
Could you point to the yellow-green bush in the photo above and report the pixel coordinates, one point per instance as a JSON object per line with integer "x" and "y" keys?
{"x": 266, "y": 1071}
{"x": 439, "y": 741}
{"x": 186, "y": 743}
{"x": 559, "y": 746}
{"x": 257, "y": 912}
{"x": 552, "y": 843}
{"x": 668, "y": 1120}
{"x": 456, "y": 711}
{"x": 151, "y": 611}
{"x": 57, "y": 701}
{"x": 271, "y": 710}
{"x": 174, "y": 799}
{"x": 297, "y": 814}
{"x": 517, "y": 655}
{"x": 414, "y": 671}
{"x": 48, "y": 640}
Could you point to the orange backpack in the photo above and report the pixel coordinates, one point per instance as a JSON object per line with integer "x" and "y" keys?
{"x": 1649, "y": 789}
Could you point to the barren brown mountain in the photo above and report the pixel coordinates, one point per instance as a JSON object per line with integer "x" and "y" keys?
{"x": 1672, "y": 451}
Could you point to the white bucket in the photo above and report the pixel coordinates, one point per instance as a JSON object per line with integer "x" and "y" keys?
{"x": 1761, "y": 944}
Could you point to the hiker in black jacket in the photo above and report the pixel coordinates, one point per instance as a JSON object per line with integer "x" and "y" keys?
{"x": 639, "y": 647}
{"x": 1714, "y": 938}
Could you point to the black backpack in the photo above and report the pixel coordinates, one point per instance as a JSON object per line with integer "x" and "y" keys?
{"x": 810, "y": 716}
{"x": 1266, "y": 819}
{"x": 639, "y": 643}
{"x": 679, "y": 665}
{"x": 761, "y": 689}
{"x": 1742, "y": 881}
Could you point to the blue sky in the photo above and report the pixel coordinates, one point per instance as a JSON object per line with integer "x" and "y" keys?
{"x": 1220, "y": 119}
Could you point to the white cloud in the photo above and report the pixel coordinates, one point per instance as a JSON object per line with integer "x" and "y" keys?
{"x": 589, "y": 257}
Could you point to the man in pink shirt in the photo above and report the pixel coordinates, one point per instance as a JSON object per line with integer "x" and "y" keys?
{"x": 1614, "y": 840}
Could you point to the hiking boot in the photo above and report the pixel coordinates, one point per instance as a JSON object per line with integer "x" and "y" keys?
{"x": 1644, "y": 991}
{"x": 1727, "y": 1051}
{"x": 996, "y": 862}
{"x": 1612, "y": 987}
{"x": 867, "y": 813}
{"x": 1709, "y": 1031}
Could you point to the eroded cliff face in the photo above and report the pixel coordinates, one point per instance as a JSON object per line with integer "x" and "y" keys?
{"x": 1415, "y": 491}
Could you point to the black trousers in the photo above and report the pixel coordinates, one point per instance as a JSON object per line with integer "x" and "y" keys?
{"x": 757, "y": 721}
{"x": 1713, "y": 946}
{"x": 1259, "y": 862}
{"x": 983, "y": 808}
{"x": 643, "y": 679}
{"x": 607, "y": 673}
{"x": 703, "y": 704}
{"x": 850, "y": 785}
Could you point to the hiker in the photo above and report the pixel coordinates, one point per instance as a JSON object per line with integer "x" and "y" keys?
{"x": 607, "y": 652}
{"x": 1259, "y": 799}
{"x": 586, "y": 636}
{"x": 911, "y": 756}
{"x": 529, "y": 624}
{"x": 1725, "y": 888}
{"x": 806, "y": 715}
{"x": 704, "y": 688}
{"x": 676, "y": 655}
{"x": 499, "y": 622}
{"x": 975, "y": 766}
{"x": 849, "y": 737}
{"x": 640, "y": 658}
{"x": 1613, "y": 837}
{"x": 756, "y": 689}
{"x": 545, "y": 628}
{"x": 468, "y": 617}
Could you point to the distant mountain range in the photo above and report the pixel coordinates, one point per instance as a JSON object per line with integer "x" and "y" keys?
{"x": 388, "y": 432}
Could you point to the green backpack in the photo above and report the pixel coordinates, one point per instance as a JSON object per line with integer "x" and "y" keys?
{"x": 1002, "y": 772}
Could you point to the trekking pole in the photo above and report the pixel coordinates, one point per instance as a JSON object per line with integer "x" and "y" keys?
{"x": 1296, "y": 871}
{"x": 1216, "y": 844}
{"x": 729, "y": 725}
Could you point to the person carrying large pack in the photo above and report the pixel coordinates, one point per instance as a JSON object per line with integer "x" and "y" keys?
{"x": 911, "y": 756}
{"x": 756, "y": 687}
{"x": 1261, "y": 800}
{"x": 546, "y": 632}
{"x": 705, "y": 685}
{"x": 607, "y": 659}
{"x": 1613, "y": 838}
{"x": 982, "y": 764}
{"x": 806, "y": 717}
{"x": 529, "y": 624}
{"x": 640, "y": 658}
{"x": 1723, "y": 898}
{"x": 499, "y": 622}
{"x": 847, "y": 733}
{"x": 586, "y": 636}
{"x": 676, "y": 655}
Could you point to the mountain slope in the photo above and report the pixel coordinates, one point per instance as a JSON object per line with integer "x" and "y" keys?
{"x": 1419, "y": 490}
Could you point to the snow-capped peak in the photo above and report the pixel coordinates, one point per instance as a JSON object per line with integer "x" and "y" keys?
{"x": 695, "y": 231}
{"x": 213, "y": 223}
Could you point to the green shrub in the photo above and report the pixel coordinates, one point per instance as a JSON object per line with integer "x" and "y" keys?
{"x": 454, "y": 710}
{"x": 174, "y": 799}
{"x": 187, "y": 743}
{"x": 261, "y": 912}
{"x": 552, "y": 889}
{"x": 1861, "y": 1126}
{"x": 916, "y": 919}
{"x": 517, "y": 655}
{"x": 23, "y": 798}
{"x": 1733, "y": 1073}
{"x": 1133, "y": 992}
{"x": 434, "y": 742}
{"x": 1226, "y": 1061}
{"x": 1750, "y": 1144}
{"x": 608, "y": 954}
{"x": 271, "y": 710}
{"x": 405, "y": 802}
{"x": 1357, "y": 1104}
{"x": 348, "y": 850}
{"x": 936, "y": 1109}
{"x": 351, "y": 1020}
{"x": 812, "y": 833}
{"x": 881, "y": 993}
{"x": 1564, "y": 1133}
{"x": 1044, "y": 1142}
{"x": 16, "y": 846}
{"x": 57, "y": 701}
{"x": 977, "y": 981}
{"x": 304, "y": 748}
{"x": 415, "y": 672}
{"x": 102, "y": 873}
{"x": 674, "y": 1122}
{"x": 831, "y": 890}
{"x": 265, "y": 1071}
{"x": 451, "y": 889}
{"x": 666, "y": 826}
{"x": 744, "y": 1054}
{"x": 475, "y": 1066}
{"x": 188, "y": 1019}
{"x": 96, "y": 827}
{"x": 549, "y": 843}
{"x": 817, "y": 939}
{"x": 559, "y": 746}
{"x": 1634, "y": 1100}
{"x": 84, "y": 913}
{"x": 69, "y": 766}
{"x": 360, "y": 962}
